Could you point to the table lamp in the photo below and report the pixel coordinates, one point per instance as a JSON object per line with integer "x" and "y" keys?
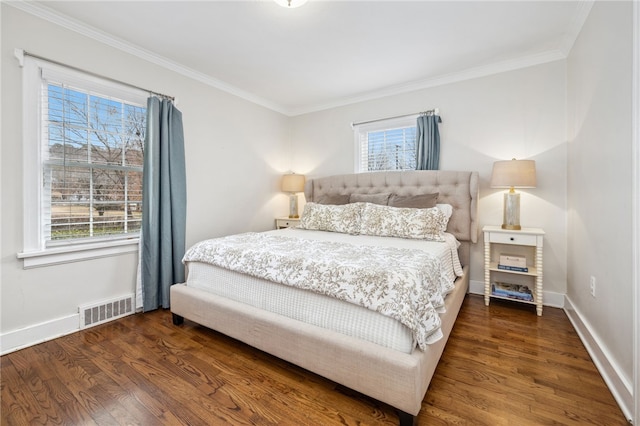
{"x": 293, "y": 183}
{"x": 513, "y": 174}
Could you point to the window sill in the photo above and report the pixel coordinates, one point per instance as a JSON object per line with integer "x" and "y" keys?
{"x": 60, "y": 255}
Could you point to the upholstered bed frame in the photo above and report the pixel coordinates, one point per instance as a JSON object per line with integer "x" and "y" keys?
{"x": 398, "y": 379}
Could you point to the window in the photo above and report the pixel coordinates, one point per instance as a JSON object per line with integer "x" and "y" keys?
{"x": 92, "y": 164}
{"x": 386, "y": 145}
{"x": 84, "y": 142}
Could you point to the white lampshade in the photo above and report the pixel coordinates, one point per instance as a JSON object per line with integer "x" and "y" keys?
{"x": 293, "y": 183}
{"x": 513, "y": 174}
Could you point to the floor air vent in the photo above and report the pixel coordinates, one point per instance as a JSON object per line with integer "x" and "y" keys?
{"x": 99, "y": 313}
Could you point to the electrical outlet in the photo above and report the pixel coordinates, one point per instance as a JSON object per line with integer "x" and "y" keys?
{"x": 592, "y": 286}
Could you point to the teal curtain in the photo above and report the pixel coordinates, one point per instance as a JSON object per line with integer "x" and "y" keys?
{"x": 164, "y": 198}
{"x": 428, "y": 142}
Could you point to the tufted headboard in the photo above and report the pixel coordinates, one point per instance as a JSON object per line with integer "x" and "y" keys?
{"x": 460, "y": 189}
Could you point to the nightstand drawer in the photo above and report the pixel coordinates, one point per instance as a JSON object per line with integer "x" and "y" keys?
{"x": 282, "y": 222}
{"x": 512, "y": 238}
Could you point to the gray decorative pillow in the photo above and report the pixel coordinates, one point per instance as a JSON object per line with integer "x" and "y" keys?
{"x": 422, "y": 201}
{"x": 335, "y": 199}
{"x": 332, "y": 218}
{"x": 385, "y": 221}
{"x": 381, "y": 198}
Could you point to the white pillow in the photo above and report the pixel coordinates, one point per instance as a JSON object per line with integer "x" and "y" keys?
{"x": 333, "y": 218}
{"x": 386, "y": 221}
{"x": 447, "y": 209}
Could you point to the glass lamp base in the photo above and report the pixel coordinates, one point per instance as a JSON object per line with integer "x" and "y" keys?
{"x": 293, "y": 206}
{"x": 511, "y": 212}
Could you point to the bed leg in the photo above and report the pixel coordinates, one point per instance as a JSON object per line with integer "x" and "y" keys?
{"x": 177, "y": 319}
{"x": 407, "y": 419}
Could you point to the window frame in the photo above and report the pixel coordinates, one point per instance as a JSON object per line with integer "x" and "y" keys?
{"x": 35, "y": 251}
{"x": 360, "y": 131}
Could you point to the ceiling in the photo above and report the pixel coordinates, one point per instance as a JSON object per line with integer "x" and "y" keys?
{"x": 327, "y": 53}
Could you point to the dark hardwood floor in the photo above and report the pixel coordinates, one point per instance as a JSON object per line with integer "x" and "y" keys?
{"x": 503, "y": 365}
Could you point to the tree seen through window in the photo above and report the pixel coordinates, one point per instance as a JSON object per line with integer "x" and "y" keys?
{"x": 92, "y": 164}
{"x": 391, "y": 149}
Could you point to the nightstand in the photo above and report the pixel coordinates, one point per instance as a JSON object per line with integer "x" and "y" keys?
{"x": 285, "y": 222}
{"x": 505, "y": 282}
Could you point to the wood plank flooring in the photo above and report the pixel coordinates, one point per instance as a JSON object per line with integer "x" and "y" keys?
{"x": 503, "y": 365}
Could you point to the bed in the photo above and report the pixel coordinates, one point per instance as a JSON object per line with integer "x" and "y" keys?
{"x": 394, "y": 370}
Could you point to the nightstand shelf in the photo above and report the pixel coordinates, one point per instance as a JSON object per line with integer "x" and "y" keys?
{"x": 527, "y": 243}
{"x": 495, "y": 296}
{"x": 493, "y": 266}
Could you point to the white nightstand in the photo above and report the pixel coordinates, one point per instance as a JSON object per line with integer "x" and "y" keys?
{"x": 528, "y": 243}
{"x": 285, "y": 222}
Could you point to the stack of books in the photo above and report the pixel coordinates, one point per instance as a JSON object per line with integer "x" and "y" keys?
{"x": 512, "y": 291}
{"x": 512, "y": 262}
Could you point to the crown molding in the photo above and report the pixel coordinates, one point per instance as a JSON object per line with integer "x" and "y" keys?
{"x": 576, "y": 26}
{"x": 469, "y": 74}
{"x": 64, "y": 21}
{"x": 482, "y": 71}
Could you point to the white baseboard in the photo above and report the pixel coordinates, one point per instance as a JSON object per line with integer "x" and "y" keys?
{"x": 32, "y": 335}
{"x": 620, "y": 387}
{"x": 555, "y": 300}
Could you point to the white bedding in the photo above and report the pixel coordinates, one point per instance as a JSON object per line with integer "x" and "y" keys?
{"x": 327, "y": 312}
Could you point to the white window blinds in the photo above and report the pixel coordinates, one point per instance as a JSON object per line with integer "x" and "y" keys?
{"x": 91, "y": 160}
{"x": 386, "y": 145}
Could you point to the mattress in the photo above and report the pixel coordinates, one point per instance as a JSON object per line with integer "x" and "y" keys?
{"x": 321, "y": 310}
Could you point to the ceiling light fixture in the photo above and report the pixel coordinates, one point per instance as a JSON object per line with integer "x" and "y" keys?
{"x": 290, "y": 3}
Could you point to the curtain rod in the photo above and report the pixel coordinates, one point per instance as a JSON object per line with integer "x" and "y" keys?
{"x": 434, "y": 111}
{"x": 20, "y": 53}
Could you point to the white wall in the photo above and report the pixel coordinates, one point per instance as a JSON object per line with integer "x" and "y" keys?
{"x": 235, "y": 154}
{"x": 600, "y": 186}
{"x": 517, "y": 114}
